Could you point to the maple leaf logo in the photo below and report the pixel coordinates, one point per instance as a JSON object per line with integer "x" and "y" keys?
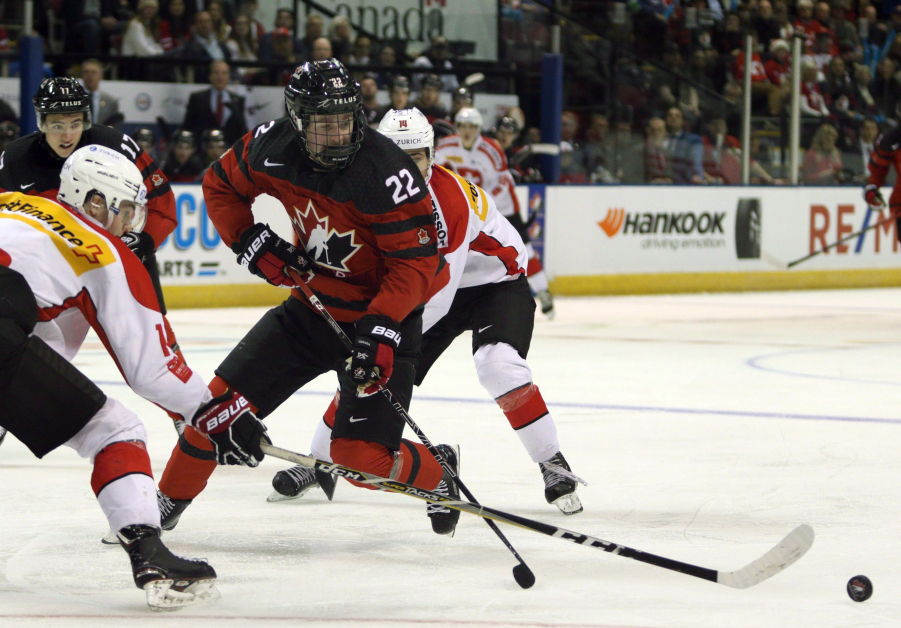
{"x": 328, "y": 248}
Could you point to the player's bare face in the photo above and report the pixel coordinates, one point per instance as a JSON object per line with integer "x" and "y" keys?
{"x": 329, "y": 130}
{"x": 468, "y": 133}
{"x": 63, "y": 132}
{"x": 421, "y": 159}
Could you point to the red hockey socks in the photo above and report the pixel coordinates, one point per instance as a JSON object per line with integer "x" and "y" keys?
{"x": 523, "y": 406}
{"x": 191, "y": 463}
{"x": 414, "y": 464}
{"x": 186, "y": 475}
{"x": 118, "y": 460}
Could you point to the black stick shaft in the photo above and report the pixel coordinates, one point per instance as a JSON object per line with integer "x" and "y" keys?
{"x": 402, "y": 412}
{"x": 842, "y": 241}
{"x": 492, "y": 514}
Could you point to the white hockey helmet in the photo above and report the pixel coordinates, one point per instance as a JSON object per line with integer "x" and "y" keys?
{"x": 469, "y": 115}
{"x": 410, "y": 130}
{"x": 100, "y": 170}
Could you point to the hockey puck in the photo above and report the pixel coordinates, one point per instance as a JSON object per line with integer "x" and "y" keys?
{"x": 860, "y": 588}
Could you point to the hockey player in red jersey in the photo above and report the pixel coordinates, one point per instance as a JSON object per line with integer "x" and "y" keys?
{"x": 481, "y": 160}
{"x": 487, "y": 295}
{"x": 886, "y": 154}
{"x": 62, "y": 273}
{"x": 366, "y": 241}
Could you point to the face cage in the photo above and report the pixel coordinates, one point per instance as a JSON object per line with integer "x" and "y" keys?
{"x": 41, "y": 117}
{"x": 331, "y": 157}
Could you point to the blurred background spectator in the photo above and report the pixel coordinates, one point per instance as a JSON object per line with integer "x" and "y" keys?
{"x": 340, "y": 35}
{"x": 104, "y": 108}
{"x": 284, "y": 19}
{"x": 436, "y": 56}
{"x": 429, "y": 101}
{"x": 823, "y": 162}
{"x": 216, "y": 107}
{"x": 144, "y": 33}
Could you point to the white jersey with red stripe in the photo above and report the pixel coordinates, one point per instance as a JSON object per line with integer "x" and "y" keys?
{"x": 84, "y": 277}
{"x": 485, "y": 165}
{"x": 480, "y": 246}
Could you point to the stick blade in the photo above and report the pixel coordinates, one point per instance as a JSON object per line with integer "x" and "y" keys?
{"x": 785, "y": 554}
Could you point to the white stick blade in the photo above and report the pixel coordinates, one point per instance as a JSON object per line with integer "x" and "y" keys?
{"x": 545, "y": 149}
{"x": 785, "y": 554}
{"x": 773, "y": 261}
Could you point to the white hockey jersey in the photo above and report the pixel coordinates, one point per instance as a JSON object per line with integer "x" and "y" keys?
{"x": 485, "y": 165}
{"x": 83, "y": 277}
{"x": 479, "y": 245}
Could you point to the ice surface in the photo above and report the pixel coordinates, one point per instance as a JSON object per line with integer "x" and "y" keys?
{"x": 708, "y": 426}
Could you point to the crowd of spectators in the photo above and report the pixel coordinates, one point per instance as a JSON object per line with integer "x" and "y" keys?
{"x": 665, "y": 71}
{"x": 655, "y": 98}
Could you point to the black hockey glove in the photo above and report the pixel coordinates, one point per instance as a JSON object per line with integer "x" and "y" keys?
{"x": 141, "y": 244}
{"x": 266, "y": 255}
{"x": 372, "y": 357}
{"x": 234, "y": 429}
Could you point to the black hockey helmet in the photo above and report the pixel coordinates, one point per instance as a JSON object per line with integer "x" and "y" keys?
{"x": 184, "y": 137}
{"x": 61, "y": 95}
{"x": 144, "y": 134}
{"x": 442, "y": 128}
{"x": 325, "y": 88}
{"x": 401, "y": 82}
{"x": 463, "y": 97}
{"x": 212, "y": 136}
{"x": 433, "y": 80}
{"x": 508, "y": 124}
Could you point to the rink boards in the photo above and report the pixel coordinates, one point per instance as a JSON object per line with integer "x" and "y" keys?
{"x": 612, "y": 240}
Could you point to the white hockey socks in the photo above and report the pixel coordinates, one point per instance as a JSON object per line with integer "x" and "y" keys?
{"x": 507, "y": 378}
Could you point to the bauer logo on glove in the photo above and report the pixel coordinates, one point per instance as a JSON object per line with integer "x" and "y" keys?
{"x": 237, "y": 405}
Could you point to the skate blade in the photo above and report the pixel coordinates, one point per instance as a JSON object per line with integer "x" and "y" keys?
{"x": 111, "y": 538}
{"x": 569, "y": 504}
{"x": 275, "y": 496}
{"x": 161, "y": 597}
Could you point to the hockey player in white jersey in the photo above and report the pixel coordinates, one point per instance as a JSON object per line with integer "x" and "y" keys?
{"x": 487, "y": 295}
{"x": 482, "y": 160}
{"x": 63, "y": 271}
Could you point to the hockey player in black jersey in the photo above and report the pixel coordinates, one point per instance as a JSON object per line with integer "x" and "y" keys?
{"x": 32, "y": 164}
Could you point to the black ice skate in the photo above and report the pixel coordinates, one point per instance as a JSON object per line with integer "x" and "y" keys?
{"x": 547, "y": 304}
{"x": 444, "y": 520}
{"x": 295, "y": 482}
{"x": 171, "y": 582}
{"x": 560, "y": 485}
{"x": 170, "y": 509}
{"x": 2, "y": 434}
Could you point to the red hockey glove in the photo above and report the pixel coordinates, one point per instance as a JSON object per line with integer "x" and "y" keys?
{"x": 372, "y": 357}
{"x": 873, "y": 197}
{"x": 234, "y": 429}
{"x": 266, "y": 255}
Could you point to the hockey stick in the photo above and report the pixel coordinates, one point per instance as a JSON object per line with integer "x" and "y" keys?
{"x": 783, "y": 555}
{"x": 521, "y": 572}
{"x": 472, "y": 79}
{"x": 845, "y": 239}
